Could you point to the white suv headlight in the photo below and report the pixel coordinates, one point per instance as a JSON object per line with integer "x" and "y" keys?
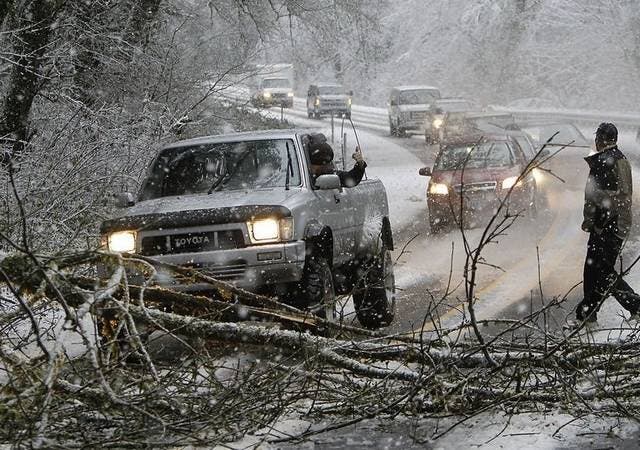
{"x": 267, "y": 95}
{"x": 270, "y": 230}
{"x": 122, "y": 241}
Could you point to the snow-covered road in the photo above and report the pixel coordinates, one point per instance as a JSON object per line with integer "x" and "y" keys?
{"x": 544, "y": 253}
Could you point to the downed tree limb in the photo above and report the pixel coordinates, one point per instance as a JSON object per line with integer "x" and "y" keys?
{"x": 317, "y": 346}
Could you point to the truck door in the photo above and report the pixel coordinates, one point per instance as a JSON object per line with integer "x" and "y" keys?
{"x": 336, "y": 209}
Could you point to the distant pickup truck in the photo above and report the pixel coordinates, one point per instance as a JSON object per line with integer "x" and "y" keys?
{"x": 408, "y": 106}
{"x": 328, "y": 99}
{"x": 273, "y": 92}
{"x": 244, "y": 208}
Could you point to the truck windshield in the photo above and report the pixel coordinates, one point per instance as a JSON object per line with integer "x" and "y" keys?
{"x": 275, "y": 83}
{"x": 332, "y": 90}
{"x": 222, "y": 167}
{"x": 418, "y": 97}
{"x": 474, "y": 156}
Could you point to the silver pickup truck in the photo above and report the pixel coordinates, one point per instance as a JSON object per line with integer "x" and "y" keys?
{"x": 244, "y": 208}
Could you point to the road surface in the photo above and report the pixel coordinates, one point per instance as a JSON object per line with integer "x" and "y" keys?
{"x": 535, "y": 260}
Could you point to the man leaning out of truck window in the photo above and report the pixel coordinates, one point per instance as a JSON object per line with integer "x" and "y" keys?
{"x": 321, "y": 163}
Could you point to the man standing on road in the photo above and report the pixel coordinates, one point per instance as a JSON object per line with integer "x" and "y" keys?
{"x": 607, "y": 219}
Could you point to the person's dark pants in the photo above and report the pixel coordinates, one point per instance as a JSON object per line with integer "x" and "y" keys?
{"x": 601, "y": 278}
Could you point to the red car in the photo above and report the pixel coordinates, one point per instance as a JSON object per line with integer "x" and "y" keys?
{"x": 471, "y": 176}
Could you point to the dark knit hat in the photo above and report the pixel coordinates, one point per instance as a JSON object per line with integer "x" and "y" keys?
{"x": 320, "y": 154}
{"x": 607, "y": 132}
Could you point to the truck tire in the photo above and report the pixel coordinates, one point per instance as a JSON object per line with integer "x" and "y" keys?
{"x": 392, "y": 129}
{"x": 374, "y": 298}
{"x": 317, "y": 287}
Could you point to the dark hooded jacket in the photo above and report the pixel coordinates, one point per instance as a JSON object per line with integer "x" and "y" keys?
{"x": 607, "y": 196}
{"x": 348, "y": 178}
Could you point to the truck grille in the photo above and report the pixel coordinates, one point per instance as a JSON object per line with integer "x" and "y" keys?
{"x": 192, "y": 242}
{"x": 332, "y": 104}
{"x": 418, "y": 114}
{"x": 227, "y": 272}
{"x": 473, "y": 187}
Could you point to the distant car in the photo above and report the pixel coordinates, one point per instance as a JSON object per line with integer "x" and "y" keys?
{"x": 563, "y": 133}
{"x": 273, "y": 92}
{"x": 471, "y": 176}
{"x": 327, "y": 99}
{"x": 568, "y": 147}
{"x": 408, "y": 106}
{"x": 436, "y": 115}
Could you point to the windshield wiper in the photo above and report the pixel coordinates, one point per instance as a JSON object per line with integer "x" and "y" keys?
{"x": 217, "y": 182}
{"x": 229, "y": 174}
{"x": 289, "y": 168}
{"x": 220, "y": 177}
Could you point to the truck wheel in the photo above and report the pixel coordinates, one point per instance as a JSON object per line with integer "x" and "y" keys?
{"x": 392, "y": 129}
{"x": 317, "y": 287}
{"x": 375, "y": 298}
{"x": 309, "y": 114}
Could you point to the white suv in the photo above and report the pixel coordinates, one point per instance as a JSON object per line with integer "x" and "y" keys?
{"x": 408, "y": 106}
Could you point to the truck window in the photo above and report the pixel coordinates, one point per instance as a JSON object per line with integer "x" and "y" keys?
{"x": 418, "y": 97}
{"x": 223, "y": 167}
{"x": 269, "y": 83}
{"x": 332, "y": 90}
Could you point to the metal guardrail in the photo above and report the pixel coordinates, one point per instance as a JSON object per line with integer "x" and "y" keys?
{"x": 630, "y": 122}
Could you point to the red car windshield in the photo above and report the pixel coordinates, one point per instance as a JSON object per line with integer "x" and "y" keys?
{"x": 474, "y": 156}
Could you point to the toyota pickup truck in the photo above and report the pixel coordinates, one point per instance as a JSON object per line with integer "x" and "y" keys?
{"x": 244, "y": 208}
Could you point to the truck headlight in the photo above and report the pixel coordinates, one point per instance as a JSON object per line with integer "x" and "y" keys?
{"x": 438, "y": 189}
{"x": 122, "y": 241}
{"x": 349, "y": 101}
{"x": 437, "y": 123}
{"x": 267, "y": 95}
{"x": 509, "y": 182}
{"x": 317, "y": 102}
{"x": 270, "y": 230}
{"x": 289, "y": 94}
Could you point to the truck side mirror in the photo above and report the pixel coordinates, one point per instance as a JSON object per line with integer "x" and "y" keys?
{"x": 425, "y": 171}
{"x": 328, "y": 181}
{"x": 125, "y": 199}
